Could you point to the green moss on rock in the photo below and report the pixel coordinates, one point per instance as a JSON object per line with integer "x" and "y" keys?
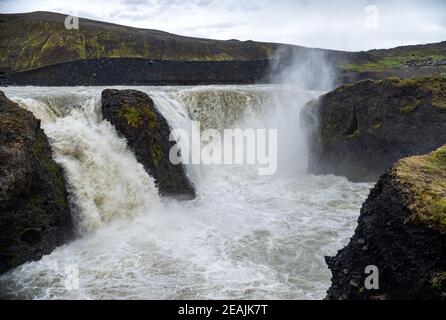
{"x": 424, "y": 179}
{"x": 401, "y": 230}
{"x": 363, "y": 128}
{"x": 147, "y": 132}
{"x": 132, "y": 116}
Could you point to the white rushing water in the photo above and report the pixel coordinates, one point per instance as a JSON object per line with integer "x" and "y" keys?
{"x": 245, "y": 236}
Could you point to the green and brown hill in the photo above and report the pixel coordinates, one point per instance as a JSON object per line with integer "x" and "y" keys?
{"x": 37, "y": 39}
{"x": 37, "y": 49}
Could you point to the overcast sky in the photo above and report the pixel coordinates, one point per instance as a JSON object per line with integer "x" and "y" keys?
{"x": 338, "y": 24}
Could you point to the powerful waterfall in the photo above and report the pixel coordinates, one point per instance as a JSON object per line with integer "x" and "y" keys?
{"x": 245, "y": 236}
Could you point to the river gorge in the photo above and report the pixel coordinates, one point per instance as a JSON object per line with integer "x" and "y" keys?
{"x": 244, "y": 236}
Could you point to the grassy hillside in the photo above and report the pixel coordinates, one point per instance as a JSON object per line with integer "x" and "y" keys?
{"x": 37, "y": 39}
{"x": 429, "y": 55}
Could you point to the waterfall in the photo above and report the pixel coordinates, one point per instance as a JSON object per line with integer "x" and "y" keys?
{"x": 245, "y": 236}
{"x": 104, "y": 179}
{"x": 105, "y": 182}
{"x": 256, "y": 107}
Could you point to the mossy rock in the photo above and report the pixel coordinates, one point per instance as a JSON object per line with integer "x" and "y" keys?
{"x": 402, "y": 231}
{"x": 362, "y": 129}
{"x": 423, "y": 178}
{"x": 147, "y": 132}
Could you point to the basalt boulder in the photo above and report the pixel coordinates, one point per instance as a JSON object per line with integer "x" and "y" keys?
{"x": 402, "y": 232}
{"x": 360, "y": 130}
{"x": 135, "y": 117}
{"x": 35, "y": 215}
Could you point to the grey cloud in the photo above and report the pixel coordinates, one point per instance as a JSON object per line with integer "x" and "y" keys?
{"x": 337, "y": 24}
{"x": 214, "y": 27}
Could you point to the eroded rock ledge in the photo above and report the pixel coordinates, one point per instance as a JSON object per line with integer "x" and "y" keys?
{"x": 135, "y": 117}
{"x": 35, "y": 216}
{"x": 360, "y": 130}
{"x": 402, "y": 231}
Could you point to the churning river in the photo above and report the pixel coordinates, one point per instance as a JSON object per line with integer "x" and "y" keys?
{"x": 245, "y": 236}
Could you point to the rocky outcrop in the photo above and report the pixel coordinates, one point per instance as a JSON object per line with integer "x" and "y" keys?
{"x": 401, "y": 231}
{"x": 360, "y": 130}
{"x": 34, "y": 212}
{"x": 135, "y": 117}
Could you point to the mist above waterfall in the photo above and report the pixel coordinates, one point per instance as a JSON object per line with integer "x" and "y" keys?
{"x": 252, "y": 107}
{"x": 307, "y": 70}
{"x": 294, "y": 70}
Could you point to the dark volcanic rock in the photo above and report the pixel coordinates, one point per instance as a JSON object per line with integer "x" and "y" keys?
{"x": 3, "y": 80}
{"x": 402, "y": 231}
{"x": 147, "y": 132}
{"x": 34, "y": 212}
{"x": 133, "y": 71}
{"x": 360, "y": 130}
{"x": 139, "y": 72}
